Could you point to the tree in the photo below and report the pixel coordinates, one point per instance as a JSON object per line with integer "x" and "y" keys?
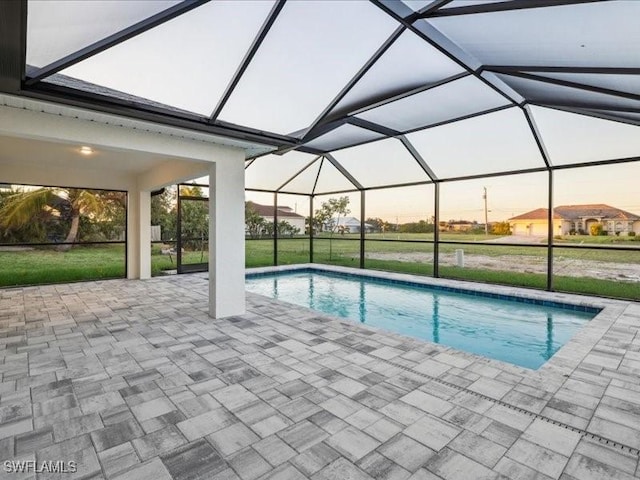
{"x": 501, "y": 228}
{"x": 343, "y": 229}
{"x": 34, "y": 231}
{"x": 389, "y": 227}
{"x": 110, "y": 224}
{"x": 194, "y": 220}
{"x": 377, "y": 224}
{"x": 254, "y": 222}
{"x": 163, "y": 212}
{"x": 317, "y": 225}
{"x": 267, "y": 230}
{"x": 329, "y": 214}
{"x": 380, "y": 225}
{"x": 422, "y": 226}
{"x": 26, "y": 207}
{"x": 286, "y": 229}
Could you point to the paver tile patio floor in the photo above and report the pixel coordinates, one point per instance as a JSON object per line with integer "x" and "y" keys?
{"x": 132, "y": 380}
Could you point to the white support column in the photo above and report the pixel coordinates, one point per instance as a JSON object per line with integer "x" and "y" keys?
{"x": 144, "y": 222}
{"x": 138, "y": 234}
{"x": 226, "y": 238}
{"x": 133, "y": 234}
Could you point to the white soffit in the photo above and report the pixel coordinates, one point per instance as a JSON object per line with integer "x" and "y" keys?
{"x": 251, "y": 149}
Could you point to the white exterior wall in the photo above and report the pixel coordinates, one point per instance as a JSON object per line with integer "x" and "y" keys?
{"x": 539, "y": 228}
{"x": 623, "y": 227}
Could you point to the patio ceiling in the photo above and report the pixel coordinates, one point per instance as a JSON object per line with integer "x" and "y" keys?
{"x": 352, "y": 94}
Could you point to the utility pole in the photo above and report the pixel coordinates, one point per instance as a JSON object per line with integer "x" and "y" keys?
{"x": 486, "y": 214}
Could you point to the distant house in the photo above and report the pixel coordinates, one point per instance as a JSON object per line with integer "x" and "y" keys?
{"x": 458, "y": 226}
{"x": 284, "y": 213}
{"x": 352, "y": 225}
{"x": 576, "y": 219}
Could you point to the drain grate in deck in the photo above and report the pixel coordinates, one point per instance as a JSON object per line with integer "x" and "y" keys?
{"x": 584, "y": 433}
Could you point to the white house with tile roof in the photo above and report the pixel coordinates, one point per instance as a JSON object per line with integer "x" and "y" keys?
{"x": 576, "y": 218}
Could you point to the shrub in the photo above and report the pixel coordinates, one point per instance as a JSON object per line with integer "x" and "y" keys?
{"x": 501, "y": 228}
{"x": 632, "y": 234}
{"x": 596, "y": 229}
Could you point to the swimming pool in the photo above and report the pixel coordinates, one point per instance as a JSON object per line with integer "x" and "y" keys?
{"x": 521, "y": 331}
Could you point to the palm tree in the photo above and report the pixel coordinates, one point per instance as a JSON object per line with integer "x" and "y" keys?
{"x": 23, "y": 207}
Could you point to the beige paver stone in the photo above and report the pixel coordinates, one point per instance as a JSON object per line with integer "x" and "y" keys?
{"x": 152, "y": 408}
{"x": 406, "y": 452}
{"x": 205, "y": 423}
{"x": 585, "y": 468}
{"x": 517, "y": 471}
{"x": 478, "y": 448}
{"x": 233, "y": 438}
{"x": 158, "y": 442}
{"x": 151, "y": 470}
{"x": 538, "y": 458}
{"x": 490, "y": 387}
{"x": 624, "y": 434}
{"x": 274, "y": 450}
{"x": 553, "y": 437}
{"x": 117, "y": 459}
{"x": 352, "y": 443}
{"x": 428, "y": 403}
{"x": 341, "y": 468}
{"x": 432, "y": 432}
{"x": 451, "y": 465}
{"x": 249, "y": 465}
{"x": 609, "y": 455}
{"x": 384, "y": 429}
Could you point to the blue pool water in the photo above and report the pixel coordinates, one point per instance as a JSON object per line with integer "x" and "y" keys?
{"x": 524, "y": 334}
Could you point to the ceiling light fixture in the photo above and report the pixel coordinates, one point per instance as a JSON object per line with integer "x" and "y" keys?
{"x": 86, "y": 150}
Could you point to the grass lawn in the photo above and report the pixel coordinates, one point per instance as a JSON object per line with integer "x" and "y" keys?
{"x": 444, "y": 236}
{"x": 345, "y": 252}
{"x": 161, "y": 262}
{"x": 473, "y": 237}
{"x": 107, "y": 261}
{"x": 80, "y": 263}
{"x": 50, "y": 266}
{"x": 260, "y": 252}
{"x": 624, "y": 240}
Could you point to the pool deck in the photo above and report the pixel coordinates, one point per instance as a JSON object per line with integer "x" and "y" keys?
{"x": 132, "y": 380}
